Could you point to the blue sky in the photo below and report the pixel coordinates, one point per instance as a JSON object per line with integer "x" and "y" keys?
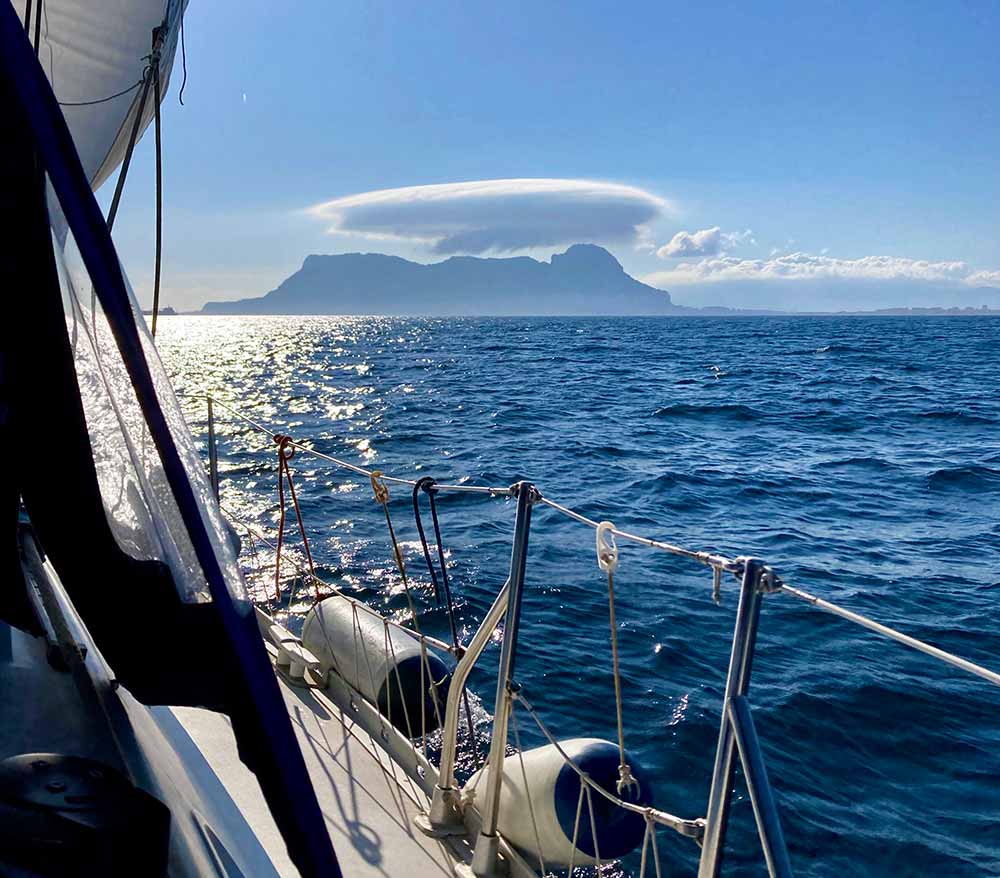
{"x": 810, "y": 155}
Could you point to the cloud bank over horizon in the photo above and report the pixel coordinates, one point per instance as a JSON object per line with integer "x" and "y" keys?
{"x": 805, "y": 281}
{"x": 807, "y": 266}
{"x": 498, "y": 216}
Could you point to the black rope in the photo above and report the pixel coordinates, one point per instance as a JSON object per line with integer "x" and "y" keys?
{"x": 159, "y": 195}
{"x": 38, "y": 26}
{"x": 118, "y": 94}
{"x": 27, "y": 18}
{"x": 123, "y": 173}
{"x": 444, "y": 567}
{"x": 184, "y": 64}
{"x": 421, "y": 483}
{"x": 426, "y": 484}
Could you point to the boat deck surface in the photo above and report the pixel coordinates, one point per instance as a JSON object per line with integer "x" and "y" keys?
{"x": 368, "y": 802}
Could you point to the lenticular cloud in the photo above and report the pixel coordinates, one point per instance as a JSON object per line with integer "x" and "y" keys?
{"x": 497, "y": 215}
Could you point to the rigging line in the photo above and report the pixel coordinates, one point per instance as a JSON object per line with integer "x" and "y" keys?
{"x": 433, "y": 641}
{"x": 709, "y": 559}
{"x": 717, "y": 562}
{"x": 427, "y": 485}
{"x": 381, "y": 493}
{"x": 607, "y": 561}
{"x": 527, "y": 788}
{"x": 117, "y": 94}
{"x": 360, "y": 470}
{"x": 593, "y": 829}
{"x": 423, "y": 538}
{"x": 444, "y": 567}
{"x": 184, "y": 64}
{"x": 689, "y": 828}
{"x": 48, "y": 44}
{"x": 147, "y": 81}
{"x": 38, "y": 26}
{"x": 281, "y": 526}
{"x": 285, "y": 454}
{"x": 893, "y": 634}
{"x": 27, "y": 17}
{"x": 159, "y": 194}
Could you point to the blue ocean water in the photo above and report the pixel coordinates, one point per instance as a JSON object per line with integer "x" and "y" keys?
{"x": 859, "y": 456}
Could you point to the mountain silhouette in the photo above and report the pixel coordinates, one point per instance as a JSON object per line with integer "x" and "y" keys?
{"x": 586, "y": 279}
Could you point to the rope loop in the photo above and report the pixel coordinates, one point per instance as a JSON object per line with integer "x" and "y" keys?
{"x": 286, "y": 448}
{"x": 379, "y": 488}
{"x": 607, "y": 547}
{"x": 627, "y": 782}
{"x": 426, "y": 484}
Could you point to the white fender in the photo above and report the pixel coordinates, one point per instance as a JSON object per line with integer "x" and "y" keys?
{"x": 553, "y": 791}
{"x": 380, "y": 661}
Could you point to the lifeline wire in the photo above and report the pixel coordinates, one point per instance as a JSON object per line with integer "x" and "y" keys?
{"x": 709, "y": 559}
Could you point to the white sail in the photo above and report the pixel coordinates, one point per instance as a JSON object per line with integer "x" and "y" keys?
{"x": 91, "y": 51}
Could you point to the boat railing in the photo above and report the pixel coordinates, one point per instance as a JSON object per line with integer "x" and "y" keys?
{"x": 737, "y": 734}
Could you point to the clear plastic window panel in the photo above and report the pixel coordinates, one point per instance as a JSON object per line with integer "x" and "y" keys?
{"x": 138, "y": 501}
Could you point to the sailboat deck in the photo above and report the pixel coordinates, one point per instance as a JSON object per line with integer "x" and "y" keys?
{"x": 368, "y": 802}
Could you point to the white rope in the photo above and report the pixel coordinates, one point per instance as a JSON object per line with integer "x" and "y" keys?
{"x": 593, "y": 827}
{"x": 576, "y": 829}
{"x": 690, "y": 828}
{"x": 527, "y": 788}
{"x": 645, "y": 847}
{"x": 656, "y": 851}
{"x": 607, "y": 560}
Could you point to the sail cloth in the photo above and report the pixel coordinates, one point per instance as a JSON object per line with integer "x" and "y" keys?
{"x": 91, "y": 51}
{"x": 181, "y": 645}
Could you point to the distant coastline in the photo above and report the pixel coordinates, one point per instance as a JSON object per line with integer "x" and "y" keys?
{"x": 585, "y": 280}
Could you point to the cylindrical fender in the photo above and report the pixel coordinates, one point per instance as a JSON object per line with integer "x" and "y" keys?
{"x": 382, "y": 662}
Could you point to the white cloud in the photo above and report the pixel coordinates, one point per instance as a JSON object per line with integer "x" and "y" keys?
{"x": 497, "y": 215}
{"x": 805, "y": 266}
{"x": 704, "y": 242}
{"x": 984, "y": 279}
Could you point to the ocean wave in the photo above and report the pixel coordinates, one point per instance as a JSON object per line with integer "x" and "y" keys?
{"x": 723, "y": 411}
{"x": 969, "y": 479}
{"x": 858, "y": 462}
{"x": 832, "y": 348}
{"x": 864, "y": 468}
{"x": 839, "y": 348}
{"x": 955, "y": 416}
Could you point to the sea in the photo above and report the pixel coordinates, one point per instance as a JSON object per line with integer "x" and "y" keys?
{"x": 859, "y": 457}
